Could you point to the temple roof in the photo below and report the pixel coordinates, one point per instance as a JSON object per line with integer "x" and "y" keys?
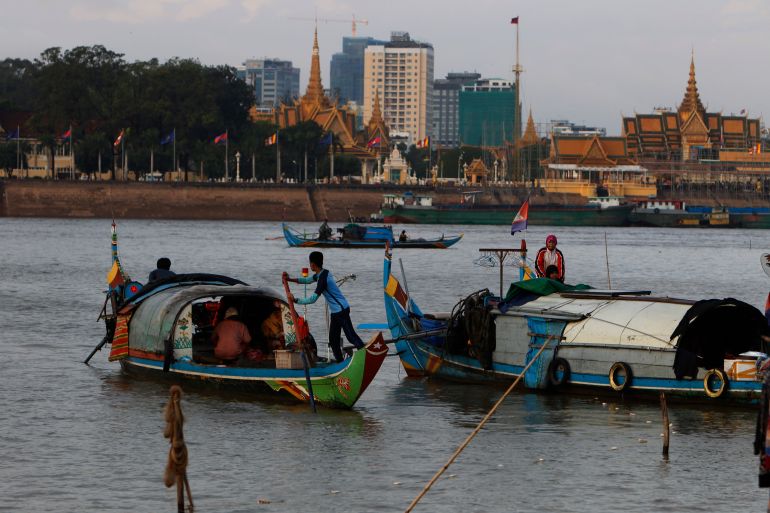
{"x": 530, "y": 134}
{"x": 589, "y": 151}
{"x": 691, "y": 101}
{"x": 314, "y": 94}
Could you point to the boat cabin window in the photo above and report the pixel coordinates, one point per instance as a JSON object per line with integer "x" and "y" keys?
{"x": 261, "y": 317}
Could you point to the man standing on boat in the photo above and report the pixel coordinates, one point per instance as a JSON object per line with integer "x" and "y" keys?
{"x": 338, "y": 305}
{"x": 548, "y": 256}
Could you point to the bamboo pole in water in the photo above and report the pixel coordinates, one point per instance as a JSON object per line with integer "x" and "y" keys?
{"x": 478, "y": 427}
{"x": 664, "y": 411}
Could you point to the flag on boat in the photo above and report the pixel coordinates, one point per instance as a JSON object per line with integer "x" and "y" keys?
{"x": 12, "y": 135}
{"x": 115, "y": 277}
{"x": 272, "y": 139}
{"x": 67, "y": 135}
{"x": 220, "y": 138}
{"x": 168, "y": 139}
{"x": 424, "y": 143}
{"x": 515, "y": 21}
{"x": 326, "y": 140}
{"x": 120, "y": 137}
{"x": 522, "y": 216}
{"x": 374, "y": 142}
{"x": 394, "y": 290}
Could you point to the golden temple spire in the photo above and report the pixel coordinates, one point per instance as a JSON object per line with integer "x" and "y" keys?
{"x": 315, "y": 90}
{"x": 691, "y": 102}
{"x": 530, "y": 134}
{"x": 376, "y": 112}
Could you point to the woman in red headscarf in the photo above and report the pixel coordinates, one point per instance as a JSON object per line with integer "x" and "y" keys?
{"x": 548, "y": 256}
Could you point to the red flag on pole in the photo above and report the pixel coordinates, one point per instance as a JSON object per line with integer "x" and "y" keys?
{"x": 220, "y": 138}
{"x": 515, "y": 21}
{"x": 120, "y": 138}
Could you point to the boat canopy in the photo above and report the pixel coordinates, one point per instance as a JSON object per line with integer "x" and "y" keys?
{"x": 153, "y": 320}
{"x": 181, "y": 280}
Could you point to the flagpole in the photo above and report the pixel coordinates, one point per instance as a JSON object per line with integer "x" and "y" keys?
{"x": 277, "y": 159}
{"x": 123, "y": 155}
{"x": 331, "y": 162}
{"x": 72, "y": 157}
{"x": 18, "y": 148}
{"x": 227, "y": 144}
{"x": 173, "y": 157}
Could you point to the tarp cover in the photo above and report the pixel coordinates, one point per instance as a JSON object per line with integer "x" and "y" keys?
{"x": 714, "y": 328}
{"x": 539, "y": 287}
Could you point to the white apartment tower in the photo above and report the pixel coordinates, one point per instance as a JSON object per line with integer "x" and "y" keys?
{"x": 400, "y": 72}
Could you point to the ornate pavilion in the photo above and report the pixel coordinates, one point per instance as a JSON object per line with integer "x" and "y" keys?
{"x": 339, "y": 120}
{"x": 689, "y": 132}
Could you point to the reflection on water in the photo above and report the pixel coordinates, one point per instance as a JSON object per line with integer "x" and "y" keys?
{"x": 79, "y": 438}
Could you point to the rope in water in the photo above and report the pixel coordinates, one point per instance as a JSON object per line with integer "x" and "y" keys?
{"x": 176, "y": 466}
{"x": 478, "y": 427}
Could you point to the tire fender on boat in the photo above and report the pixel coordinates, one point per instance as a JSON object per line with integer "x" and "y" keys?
{"x": 708, "y": 385}
{"x": 618, "y": 369}
{"x": 558, "y": 372}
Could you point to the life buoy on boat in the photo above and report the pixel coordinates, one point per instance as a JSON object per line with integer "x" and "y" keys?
{"x": 714, "y": 383}
{"x": 620, "y": 376}
{"x": 558, "y": 372}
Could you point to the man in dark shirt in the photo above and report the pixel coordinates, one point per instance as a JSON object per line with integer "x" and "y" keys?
{"x": 163, "y": 270}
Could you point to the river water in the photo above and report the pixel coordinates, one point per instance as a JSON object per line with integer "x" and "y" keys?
{"x": 87, "y": 438}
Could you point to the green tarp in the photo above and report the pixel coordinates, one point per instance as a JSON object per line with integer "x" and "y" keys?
{"x": 541, "y": 287}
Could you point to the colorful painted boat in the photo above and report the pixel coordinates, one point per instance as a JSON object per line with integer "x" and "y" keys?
{"x": 366, "y": 237}
{"x": 470, "y": 212}
{"x": 615, "y": 342}
{"x": 164, "y": 329}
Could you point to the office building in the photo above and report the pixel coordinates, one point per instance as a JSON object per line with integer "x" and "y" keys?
{"x": 347, "y": 69}
{"x": 487, "y": 112}
{"x": 272, "y": 80}
{"x": 446, "y": 107}
{"x": 400, "y": 72}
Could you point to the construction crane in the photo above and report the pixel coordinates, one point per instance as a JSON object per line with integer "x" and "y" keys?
{"x": 353, "y": 21}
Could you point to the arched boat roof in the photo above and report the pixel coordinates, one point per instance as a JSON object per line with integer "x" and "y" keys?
{"x": 182, "y": 280}
{"x": 153, "y": 319}
{"x": 603, "y": 318}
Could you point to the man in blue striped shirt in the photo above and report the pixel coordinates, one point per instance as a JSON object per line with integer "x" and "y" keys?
{"x": 338, "y": 305}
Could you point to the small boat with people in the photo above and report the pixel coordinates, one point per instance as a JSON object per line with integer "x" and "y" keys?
{"x": 169, "y": 328}
{"x": 614, "y": 341}
{"x": 354, "y": 235}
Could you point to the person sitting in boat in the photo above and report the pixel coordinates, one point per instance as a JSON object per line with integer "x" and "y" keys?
{"x": 547, "y": 256}
{"x": 552, "y": 272}
{"x": 163, "y": 270}
{"x": 272, "y": 329}
{"x": 324, "y": 232}
{"x": 338, "y": 305}
{"x": 231, "y": 337}
{"x": 403, "y": 237}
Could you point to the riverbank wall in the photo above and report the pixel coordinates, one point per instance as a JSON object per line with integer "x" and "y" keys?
{"x": 253, "y": 202}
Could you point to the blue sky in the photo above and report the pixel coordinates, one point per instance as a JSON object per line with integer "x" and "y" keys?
{"x": 587, "y": 61}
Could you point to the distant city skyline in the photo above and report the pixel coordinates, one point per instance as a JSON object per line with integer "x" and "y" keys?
{"x": 589, "y": 62}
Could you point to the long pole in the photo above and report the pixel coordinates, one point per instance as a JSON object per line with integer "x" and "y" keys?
{"x": 331, "y": 162}
{"x": 306, "y": 165}
{"x": 18, "y": 148}
{"x": 227, "y": 143}
{"x": 123, "y": 156}
{"x": 478, "y": 428}
{"x": 173, "y": 156}
{"x": 253, "y": 168}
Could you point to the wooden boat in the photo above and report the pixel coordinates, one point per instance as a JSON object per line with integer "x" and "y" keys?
{"x": 616, "y": 342}
{"x": 356, "y": 236}
{"x": 165, "y": 328}
{"x": 676, "y": 214}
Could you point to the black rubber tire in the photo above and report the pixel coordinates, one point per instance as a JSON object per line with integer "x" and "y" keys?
{"x": 614, "y": 370}
{"x": 558, "y": 366}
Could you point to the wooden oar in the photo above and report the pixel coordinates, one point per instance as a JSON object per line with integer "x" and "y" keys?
{"x": 300, "y": 342}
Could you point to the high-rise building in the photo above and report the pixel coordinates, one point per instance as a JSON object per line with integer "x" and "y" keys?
{"x": 400, "y": 72}
{"x": 487, "y": 112}
{"x": 446, "y": 107}
{"x": 347, "y": 69}
{"x": 273, "y": 80}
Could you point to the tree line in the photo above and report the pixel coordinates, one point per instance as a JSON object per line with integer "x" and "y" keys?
{"x": 99, "y": 93}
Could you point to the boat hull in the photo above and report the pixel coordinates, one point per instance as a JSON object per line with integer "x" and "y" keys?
{"x": 679, "y": 219}
{"x": 296, "y": 240}
{"x": 540, "y": 215}
{"x": 336, "y": 385}
{"x": 589, "y": 374}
